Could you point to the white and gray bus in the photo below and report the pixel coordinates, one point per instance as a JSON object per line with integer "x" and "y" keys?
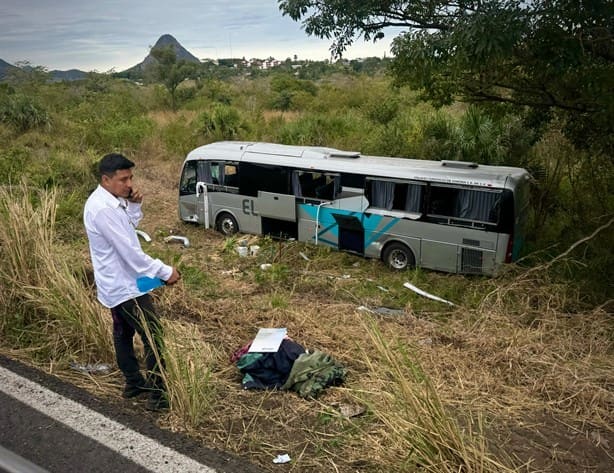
{"x": 452, "y": 216}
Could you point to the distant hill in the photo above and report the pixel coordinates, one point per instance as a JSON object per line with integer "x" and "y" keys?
{"x": 134, "y": 72}
{"x": 164, "y": 41}
{"x": 5, "y": 67}
{"x": 55, "y": 75}
{"x": 71, "y": 74}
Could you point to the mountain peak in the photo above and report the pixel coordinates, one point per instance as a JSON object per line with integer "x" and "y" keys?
{"x": 167, "y": 40}
{"x": 163, "y": 41}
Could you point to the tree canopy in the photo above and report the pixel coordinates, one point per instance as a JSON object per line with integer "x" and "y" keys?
{"x": 551, "y": 57}
{"x": 172, "y": 71}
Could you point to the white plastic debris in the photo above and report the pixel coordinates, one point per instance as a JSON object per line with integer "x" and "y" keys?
{"x": 265, "y": 266}
{"x": 143, "y": 235}
{"x": 304, "y": 256}
{"x": 285, "y": 458}
{"x": 94, "y": 368}
{"x": 178, "y": 238}
{"x": 426, "y": 294}
{"x": 242, "y": 250}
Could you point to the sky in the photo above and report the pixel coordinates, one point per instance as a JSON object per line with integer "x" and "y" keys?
{"x": 105, "y": 35}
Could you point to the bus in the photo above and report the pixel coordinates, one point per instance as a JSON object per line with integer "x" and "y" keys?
{"x": 452, "y": 216}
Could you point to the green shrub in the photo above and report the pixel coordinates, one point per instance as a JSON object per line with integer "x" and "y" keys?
{"x": 221, "y": 122}
{"x": 319, "y": 130}
{"x": 113, "y": 134}
{"x": 179, "y": 137}
{"x": 381, "y": 109}
{"x": 23, "y": 112}
{"x": 13, "y": 162}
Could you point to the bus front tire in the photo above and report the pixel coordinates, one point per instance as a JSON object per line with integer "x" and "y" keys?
{"x": 227, "y": 225}
{"x": 398, "y": 256}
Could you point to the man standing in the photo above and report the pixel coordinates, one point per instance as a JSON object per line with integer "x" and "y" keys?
{"x": 111, "y": 215}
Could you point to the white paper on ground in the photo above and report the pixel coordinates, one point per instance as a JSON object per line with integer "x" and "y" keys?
{"x": 285, "y": 458}
{"x": 268, "y": 340}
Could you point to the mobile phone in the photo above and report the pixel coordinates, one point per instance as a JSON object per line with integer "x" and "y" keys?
{"x": 130, "y": 194}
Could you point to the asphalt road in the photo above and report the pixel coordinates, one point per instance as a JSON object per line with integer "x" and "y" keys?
{"x": 49, "y": 425}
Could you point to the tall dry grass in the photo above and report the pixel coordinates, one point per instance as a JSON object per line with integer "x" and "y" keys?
{"x": 48, "y": 307}
{"x": 419, "y": 431}
{"x": 187, "y": 367}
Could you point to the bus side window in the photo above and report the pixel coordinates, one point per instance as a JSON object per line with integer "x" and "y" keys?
{"x": 187, "y": 184}
{"x": 215, "y": 173}
{"x": 231, "y": 175}
{"x": 326, "y": 191}
{"x": 381, "y": 194}
{"x": 477, "y": 205}
{"x": 442, "y": 201}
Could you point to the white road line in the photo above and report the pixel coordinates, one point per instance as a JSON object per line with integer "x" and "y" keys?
{"x": 146, "y": 452}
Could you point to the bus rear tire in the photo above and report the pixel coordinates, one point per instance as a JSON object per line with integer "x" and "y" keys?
{"x": 227, "y": 225}
{"x": 398, "y": 256}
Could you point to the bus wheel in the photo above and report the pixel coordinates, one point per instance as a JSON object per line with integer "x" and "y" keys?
{"x": 398, "y": 256}
{"x": 227, "y": 224}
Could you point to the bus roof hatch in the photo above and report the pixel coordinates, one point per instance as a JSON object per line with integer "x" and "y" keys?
{"x": 344, "y": 154}
{"x": 459, "y": 164}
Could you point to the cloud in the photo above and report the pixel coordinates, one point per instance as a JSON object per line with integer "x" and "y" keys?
{"x": 90, "y": 34}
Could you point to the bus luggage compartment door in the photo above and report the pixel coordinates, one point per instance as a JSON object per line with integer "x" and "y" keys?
{"x": 278, "y": 214}
{"x": 439, "y": 255}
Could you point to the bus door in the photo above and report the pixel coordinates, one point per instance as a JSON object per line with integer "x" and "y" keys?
{"x": 202, "y": 203}
{"x": 351, "y": 234}
{"x": 188, "y": 199}
{"x": 277, "y": 214}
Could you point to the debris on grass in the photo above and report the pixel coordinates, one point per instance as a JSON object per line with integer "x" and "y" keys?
{"x": 382, "y": 310}
{"x": 93, "y": 368}
{"x": 285, "y": 458}
{"x": 177, "y": 238}
{"x": 426, "y": 294}
{"x": 143, "y": 235}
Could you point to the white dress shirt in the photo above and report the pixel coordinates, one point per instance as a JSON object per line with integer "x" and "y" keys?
{"x": 117, "y": 256}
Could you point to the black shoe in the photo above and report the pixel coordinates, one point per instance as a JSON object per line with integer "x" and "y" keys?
{"x": 131, "y": 391}
{"x": 157, "y": 402}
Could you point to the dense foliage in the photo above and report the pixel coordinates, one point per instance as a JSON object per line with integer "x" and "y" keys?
{"x": 549, "y": 58}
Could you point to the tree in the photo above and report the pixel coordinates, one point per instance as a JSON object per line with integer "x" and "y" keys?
{"x": 27, "y": 77}
{"x": 172, "y": 72}
{"x": 551, "y": 57}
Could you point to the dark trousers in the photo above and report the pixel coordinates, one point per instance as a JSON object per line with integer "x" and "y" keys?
{"x": 138, "y": 315}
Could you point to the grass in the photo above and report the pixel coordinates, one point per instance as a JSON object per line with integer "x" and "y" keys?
{"x": 420, "y": 432}
{"x": 44, "y": 288}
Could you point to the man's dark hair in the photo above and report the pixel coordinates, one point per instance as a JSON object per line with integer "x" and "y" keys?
{"x": 113, "y": 162}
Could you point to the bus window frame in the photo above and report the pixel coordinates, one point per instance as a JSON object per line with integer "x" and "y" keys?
{"x": 394, "y": 211}
{"x": 453, "y": 220}
{"x": 186, "y": 189}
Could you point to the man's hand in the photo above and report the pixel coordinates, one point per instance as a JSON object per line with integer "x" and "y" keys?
{"x": 135, "y": 196}
{"x": 175, "y": 276}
